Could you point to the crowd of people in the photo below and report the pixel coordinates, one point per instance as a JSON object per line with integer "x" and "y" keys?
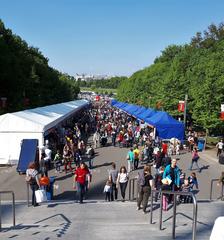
{"x": 145, "y": 149}
{"x": 67, "y": 151}
{"x": 109, "y": 125}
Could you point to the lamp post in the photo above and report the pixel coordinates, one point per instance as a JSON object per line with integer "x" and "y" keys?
{"x": 185, "y": 109}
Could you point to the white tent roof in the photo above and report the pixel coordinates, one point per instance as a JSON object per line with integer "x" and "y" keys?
{"x": 39, "y": 119}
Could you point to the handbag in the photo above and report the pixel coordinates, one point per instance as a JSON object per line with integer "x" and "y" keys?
{"x": 40, "y": 195}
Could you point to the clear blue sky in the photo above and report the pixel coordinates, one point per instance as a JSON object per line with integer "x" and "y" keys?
{"x": 107, "y": 36}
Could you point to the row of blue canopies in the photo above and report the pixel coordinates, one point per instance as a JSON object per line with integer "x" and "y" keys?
{"x": 166, "y": 126}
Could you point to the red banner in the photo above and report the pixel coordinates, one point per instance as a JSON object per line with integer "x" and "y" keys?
{"x": 222, "y": 115}
{"x": 181, "y": 106}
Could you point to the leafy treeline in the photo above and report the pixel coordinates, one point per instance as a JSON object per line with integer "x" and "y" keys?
{"x": 195, "y": 69}
{"x": 26, "y": 79}
{"x": 112, "y": 83}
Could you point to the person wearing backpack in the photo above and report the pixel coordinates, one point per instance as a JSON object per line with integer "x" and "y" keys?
{"x": 33, "y": 180}
{"x": 145, "y": 184}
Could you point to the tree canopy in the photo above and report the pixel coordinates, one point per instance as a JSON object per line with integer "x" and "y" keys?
{"x": 26, "y": 78}
{"x": 196, "y": 69}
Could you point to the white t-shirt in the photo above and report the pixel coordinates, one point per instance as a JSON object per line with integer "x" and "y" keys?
{"x": 123, "y": 177}
{"x": 107, "y": 188}
{"x": 220, "y": 145}
{"x": 48, "y": 154}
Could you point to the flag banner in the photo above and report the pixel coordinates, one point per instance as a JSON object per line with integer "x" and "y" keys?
{"x": 222, "y": 107}
{"x": 181, "y": 106}
{"x": 222, "y": 115}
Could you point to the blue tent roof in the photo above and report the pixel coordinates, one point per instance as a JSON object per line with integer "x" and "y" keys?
{"x": 140, "y": 110}
{"x": 166, "y": 126}
{"x": 131, "y": 109}
{"x": 149, "y": 112}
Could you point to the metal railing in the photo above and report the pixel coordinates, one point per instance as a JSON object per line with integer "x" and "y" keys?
{"x": 175, "y": 193}
{"x": 211, "y": 188}
{"x": 13, "y": 208}
{"x": 132, "y": 192}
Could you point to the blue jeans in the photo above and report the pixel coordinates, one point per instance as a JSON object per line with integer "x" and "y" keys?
{"x": 80, "y": 191}
{"x": 90, "y": 158}
{"x": 113, "y": 192}
{"x": 196, "y": 163}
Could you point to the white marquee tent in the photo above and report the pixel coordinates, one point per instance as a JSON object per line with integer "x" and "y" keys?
{"x": 32, "y": 124}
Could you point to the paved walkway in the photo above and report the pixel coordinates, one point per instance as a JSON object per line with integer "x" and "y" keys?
{"x": 97, "y": 219}
{"x": 13, "y": 181}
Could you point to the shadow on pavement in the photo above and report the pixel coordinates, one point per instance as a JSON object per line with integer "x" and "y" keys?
{"x": 102, "y": 165}
{"x": 61, "y": 178}
{"x": 204, "y": 167}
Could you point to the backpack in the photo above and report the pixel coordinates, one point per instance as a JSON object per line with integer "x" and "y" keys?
{"x": 141, "y": 178}
{"x": 136, "y": 155}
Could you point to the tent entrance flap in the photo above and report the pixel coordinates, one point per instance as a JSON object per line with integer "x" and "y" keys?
{"x": 28, "y": 154}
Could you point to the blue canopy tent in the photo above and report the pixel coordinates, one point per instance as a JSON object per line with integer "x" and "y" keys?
{"x": 166, "y": 126}
{"x": 149, "y": 112}
{"x": 113, "y": 102}
{"x": 139, "y": 111}
{"x": 131, "y": 109}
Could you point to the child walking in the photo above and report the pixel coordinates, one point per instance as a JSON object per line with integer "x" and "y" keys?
{"x": 107, "y": 190}
{"x": 166, "y": 187}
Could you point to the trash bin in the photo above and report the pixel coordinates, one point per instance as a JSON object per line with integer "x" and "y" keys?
{"x": 201, "y": 144}
{"x": 50, "y": 189}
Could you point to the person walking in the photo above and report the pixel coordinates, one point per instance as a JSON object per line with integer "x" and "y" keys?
{"x": 107, "y": 190}
{"x": 96, "y": 139}
{"x": 33, "y": 180}
{"x": 122, "y": 180}
{"x": 172, "y": 172}
{"x": 58, "y": 161}
{"x": 194, "y": 160}
{"x": 136, "y": 157}
{"x": 81, "y": 176}
{"x": 90, "y": 154}
{"x": 113, "y": 136}
{"x": 219, "y": 146}
{"x": 113, "y": 174}
{"x": 145, "y": 184}
{"x": 130, "y": 159}
{"x": 47, "y": 158}
{"x": 67, "y": 157}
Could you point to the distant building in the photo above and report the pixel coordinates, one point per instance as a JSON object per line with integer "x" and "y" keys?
{"x": 89, "y": 77}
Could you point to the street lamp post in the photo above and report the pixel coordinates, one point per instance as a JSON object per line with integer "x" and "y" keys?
{"x": 185, "y": 109}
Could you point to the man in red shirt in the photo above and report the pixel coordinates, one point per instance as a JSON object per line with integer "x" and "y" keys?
{"x": 81, "y": 178}
{"x": 164, "y": 148}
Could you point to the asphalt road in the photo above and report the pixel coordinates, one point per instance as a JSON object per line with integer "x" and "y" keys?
{"x": 11, "y": 180}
